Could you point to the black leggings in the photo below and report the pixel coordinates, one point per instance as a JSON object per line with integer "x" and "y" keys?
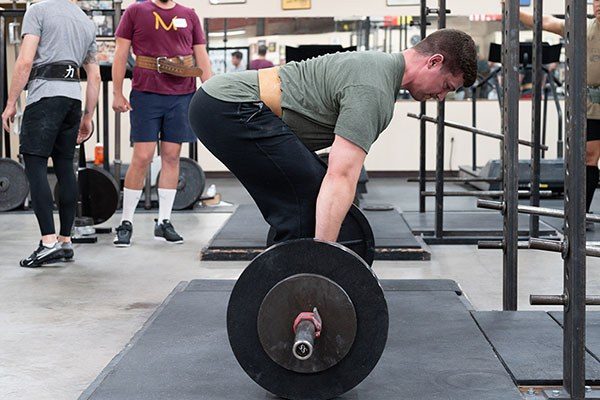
{"x": 36, "y": 168}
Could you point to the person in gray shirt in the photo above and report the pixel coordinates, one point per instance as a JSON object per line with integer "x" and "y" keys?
{"x": 58, "y": 38}
{"x": 264, "y": 125}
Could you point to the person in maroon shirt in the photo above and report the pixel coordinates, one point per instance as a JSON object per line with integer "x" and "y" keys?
{"x": 159, "y": 32}
{"x": 261, "y": 62}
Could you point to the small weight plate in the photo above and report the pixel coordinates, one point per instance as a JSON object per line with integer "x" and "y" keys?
{"x": 331, "y": 261}
{"x": 14, "y": 186}
{"x": 302, "y": 293}
{"x": 98, "y": 192}
{"x": 355, "y": 233}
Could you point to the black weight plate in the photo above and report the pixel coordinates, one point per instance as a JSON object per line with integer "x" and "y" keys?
{"x": 355, "y": 233}
{"x": 302, "y": 293}
{"x": 13, "y": 184}
{"x": 190, "y": 185}
{"x": 334, "y": 262}
{"x": 98, "y": 192}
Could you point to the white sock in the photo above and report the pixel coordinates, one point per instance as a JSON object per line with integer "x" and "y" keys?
{"x": 131, "y": 198}
{"x": 166, "y": 197}
{"x": 50, "y": 245}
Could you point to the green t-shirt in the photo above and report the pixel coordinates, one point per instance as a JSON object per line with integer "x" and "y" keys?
{"x": 348, "y": 94}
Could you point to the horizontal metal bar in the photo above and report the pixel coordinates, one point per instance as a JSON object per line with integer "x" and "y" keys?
{"x": 498, "y": 245}
{"x": 543, "y": 211}
{"x": 559, "y": 247}
{"x": 477, "y": 131}
{"x": 486, "y": 193}
{"x": 559, "y": 300}
{"x": 548, "y": 245}
{"x": 465, "y": 180}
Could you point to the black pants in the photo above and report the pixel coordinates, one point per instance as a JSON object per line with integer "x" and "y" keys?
{"x": 49, "y": 129}
{"x": 280, "y": 173}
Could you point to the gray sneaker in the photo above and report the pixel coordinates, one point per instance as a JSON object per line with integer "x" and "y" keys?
{"x": 123, "y": 236}
{"x": 43, "y": 255}
{"x": 165, "y": 231}
{"x": 67, "y": 250}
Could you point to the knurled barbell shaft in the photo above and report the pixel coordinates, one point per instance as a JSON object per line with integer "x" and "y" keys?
{"x": 558, "y": 246}
{"x": 471, "y": 129}
{"x": 559, "y": 300}
{"x": 542, "y": 211}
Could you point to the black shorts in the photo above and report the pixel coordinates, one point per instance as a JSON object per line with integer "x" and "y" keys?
{"x": 593, "y": 129}
{"x": 50, "y": 127}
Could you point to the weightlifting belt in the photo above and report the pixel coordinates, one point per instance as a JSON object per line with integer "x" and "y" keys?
{"x": 594, "y": 94}
{"x": 182, "y": 66}
{"x": 58, "y": 71}
{"x": 269, "y": 86}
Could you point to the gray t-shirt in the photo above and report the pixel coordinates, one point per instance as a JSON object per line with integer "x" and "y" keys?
{"x": 66, "y": 34}
{"x": 348, "y": 94}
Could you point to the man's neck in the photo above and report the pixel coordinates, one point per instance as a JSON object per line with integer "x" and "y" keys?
{"x": 413, "y": 61}
{"x": 168, "y": 5}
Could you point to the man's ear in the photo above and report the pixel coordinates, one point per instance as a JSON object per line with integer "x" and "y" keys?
{"x": 435, "y": 60}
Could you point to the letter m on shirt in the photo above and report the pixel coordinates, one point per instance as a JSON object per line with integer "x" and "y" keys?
{"x": 158, "y": 21}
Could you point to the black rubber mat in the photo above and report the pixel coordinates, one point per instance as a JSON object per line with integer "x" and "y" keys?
{"x": 482, "y": 224}
{"x": 435, "y": 352}
{"x": 592, "y": 331}
{"x": 530, "y": 343}
{"x": 244, "y": 235}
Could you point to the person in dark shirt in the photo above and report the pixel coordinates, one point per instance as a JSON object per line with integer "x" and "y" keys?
{"x": 261, "y": 62}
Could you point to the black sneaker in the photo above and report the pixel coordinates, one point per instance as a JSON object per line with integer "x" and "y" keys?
{"x": 43, "y": 255}
{"x": 124, "y": 232}
{"x": 67, "y": 250}
{"x": 165, "y": 231}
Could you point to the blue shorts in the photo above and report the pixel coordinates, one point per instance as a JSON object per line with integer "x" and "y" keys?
{"x": 160, "y": 117}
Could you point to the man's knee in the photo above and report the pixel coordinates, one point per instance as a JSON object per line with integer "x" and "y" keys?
{"x": 592, "y": 153}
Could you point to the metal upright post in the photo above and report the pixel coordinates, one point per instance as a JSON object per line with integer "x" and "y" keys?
{"x": 422, "y": 126}
{"x": 574, "y": 256}
{"x": 439, "y": 165}
{"x": 545, "y": 116}
{"x": 117, "y": 161}
{"x": 4, "y": 84}
{"x": 105, "y": 128}
{"x": 536, "y": 102}
{"x": 510, "y": 128}
{"x": 474, "y": 124}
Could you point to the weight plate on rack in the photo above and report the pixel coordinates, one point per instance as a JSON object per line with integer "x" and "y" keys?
{"x": 14, "y": 186}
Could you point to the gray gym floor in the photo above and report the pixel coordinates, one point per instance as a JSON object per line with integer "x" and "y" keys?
{"x": 60, "y": 326}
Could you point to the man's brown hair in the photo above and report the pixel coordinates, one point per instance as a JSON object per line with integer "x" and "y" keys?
{"x": 458, "y": 49}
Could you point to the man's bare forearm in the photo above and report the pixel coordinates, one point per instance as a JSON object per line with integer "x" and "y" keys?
{"x": 335, "y": 198}
{"x": 91, "y": 95}
{"x": 119, "y": 68}
{"x": 19, "y": 81}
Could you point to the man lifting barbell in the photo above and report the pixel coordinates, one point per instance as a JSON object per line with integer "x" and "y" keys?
{"x": 264, "y": 125}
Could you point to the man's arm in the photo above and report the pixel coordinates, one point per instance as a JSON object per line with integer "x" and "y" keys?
{"x": 549, "y": 23}
{"x": 119, "y": 67}
{"x": 20, "y": 76}
{"x": 92, "y": 90}
{"x": 203, "y": 61}
{"x": 338, "y": 188}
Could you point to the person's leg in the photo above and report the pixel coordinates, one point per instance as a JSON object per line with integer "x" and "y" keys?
{"x": 592, "y": 155}
{"x": 143, "y": 152}
{"x": 62, "y": 160}
{"x": 169, "y": 177}
{"x": 277, "y": 169}
{"x": 36, "y": 169}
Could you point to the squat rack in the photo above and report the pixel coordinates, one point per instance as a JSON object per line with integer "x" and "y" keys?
{"x": 509, "y": 155}
{"x": 573, "y": 247}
